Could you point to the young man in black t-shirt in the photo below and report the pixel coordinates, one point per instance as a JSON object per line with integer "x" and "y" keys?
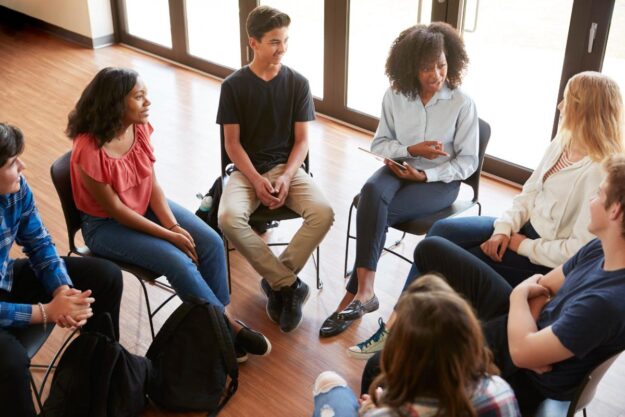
{"x": 264, "y": 110}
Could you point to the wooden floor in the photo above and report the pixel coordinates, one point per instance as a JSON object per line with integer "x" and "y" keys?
{"x": 41, "y": 78}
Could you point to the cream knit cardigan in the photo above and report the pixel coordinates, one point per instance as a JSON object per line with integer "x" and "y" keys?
{"x": 558, "y": 208}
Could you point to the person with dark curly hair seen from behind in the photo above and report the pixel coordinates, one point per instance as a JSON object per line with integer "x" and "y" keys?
{"x": 430, "y": 126}
{"x": 451, "y": 370}
{"x": 42, "y": 289}
{"x": 125, "y": 214}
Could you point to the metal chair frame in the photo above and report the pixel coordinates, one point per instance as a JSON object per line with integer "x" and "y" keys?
{"x": 33, "y": 337}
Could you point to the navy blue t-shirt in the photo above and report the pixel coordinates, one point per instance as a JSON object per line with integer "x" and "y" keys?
{"x": 266, "y": 112}
{"x": 588, "y": 316}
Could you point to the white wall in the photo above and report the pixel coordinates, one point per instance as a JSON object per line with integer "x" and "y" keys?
{"x": 90, "y": 18}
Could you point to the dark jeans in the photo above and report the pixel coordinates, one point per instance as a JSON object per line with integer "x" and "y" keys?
{"x": 470, "y": 232}
{"x": 386, "y": 200}
{"x": 489, "y": 293}
{"x": 103, "y": 278}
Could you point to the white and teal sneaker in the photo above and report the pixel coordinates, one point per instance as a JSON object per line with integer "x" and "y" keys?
{"x": 369, "y": 347}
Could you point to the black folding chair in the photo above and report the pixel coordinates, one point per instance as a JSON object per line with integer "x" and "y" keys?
{"x": 60, "y": 173}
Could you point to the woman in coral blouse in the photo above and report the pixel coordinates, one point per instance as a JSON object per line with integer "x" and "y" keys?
{"x": 125, "y": 214}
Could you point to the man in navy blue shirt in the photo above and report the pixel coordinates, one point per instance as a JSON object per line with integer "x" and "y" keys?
{"x": 551, "y": 330}
{"x": 38, "y": 290}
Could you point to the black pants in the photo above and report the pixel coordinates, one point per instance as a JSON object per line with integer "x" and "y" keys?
{"x": 102, "y": 277}
{"x": 489, "y": 294}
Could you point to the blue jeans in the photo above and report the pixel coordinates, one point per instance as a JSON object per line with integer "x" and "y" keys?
{"x": 341, "y": 400}
{"x": 109, "y": 239}
{"x": 470, "y": 232}
{"x": 386, "y": 200}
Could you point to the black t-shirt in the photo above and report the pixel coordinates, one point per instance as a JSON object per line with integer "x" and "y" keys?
{"x": 266, "y": 112}
{"x": 588, "y": 316}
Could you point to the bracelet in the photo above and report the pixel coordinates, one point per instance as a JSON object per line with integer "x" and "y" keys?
{"x": 44, "y": 316}
{"x": 176, "y": 224}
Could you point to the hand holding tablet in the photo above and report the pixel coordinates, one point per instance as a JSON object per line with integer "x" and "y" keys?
{"x": 381, "y": 158}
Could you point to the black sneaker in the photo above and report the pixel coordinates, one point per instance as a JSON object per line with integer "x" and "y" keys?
{"x": 274, "y": 301}
{"x": 293, "y": 298}
{"x": 241, "y": 354}
{"x": 251, "y": 341}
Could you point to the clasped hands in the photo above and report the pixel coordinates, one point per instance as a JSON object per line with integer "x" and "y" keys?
{"x": 70, "y": 307}
{"x": 272, "y": 196}
{"x": 496, "y": 246}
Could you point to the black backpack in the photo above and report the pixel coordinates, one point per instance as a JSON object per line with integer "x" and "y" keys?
{"x": 97, "y": 377}
{"x": 210, "y": 216}
{"x": 193, "y": 357}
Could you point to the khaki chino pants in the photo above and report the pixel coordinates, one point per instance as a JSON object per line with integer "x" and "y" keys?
{"x": 239, "y": 201}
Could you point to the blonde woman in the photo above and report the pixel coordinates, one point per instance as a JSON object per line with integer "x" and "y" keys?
{"x": 547, "y": 223}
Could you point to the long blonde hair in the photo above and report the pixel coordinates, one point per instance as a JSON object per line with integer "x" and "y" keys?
{"x": 593, "y": 115}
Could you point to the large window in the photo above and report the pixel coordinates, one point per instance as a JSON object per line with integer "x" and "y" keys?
{"x": 614, "y": 61}
{"x": 521, "y": 53}
{"x": 213, "y": 31}
{"x": 306, "y": 35}
{"x": 153, "y": 27}
{"x": 516, "y": 58}
{"x": 369, "y": 43}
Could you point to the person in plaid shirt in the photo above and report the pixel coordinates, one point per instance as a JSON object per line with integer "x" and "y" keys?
{"x": 434, "y": 362}
{"x": 38, "y": 290}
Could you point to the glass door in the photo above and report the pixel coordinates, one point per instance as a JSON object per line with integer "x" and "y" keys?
{"x": 614, "y": 59}
{"x": 213, "y": 31}
{"x": 369, "y": 41}
{"x": 516, "y": 57}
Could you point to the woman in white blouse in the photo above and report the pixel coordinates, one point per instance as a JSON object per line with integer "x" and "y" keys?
{"x": 430, "y": 127}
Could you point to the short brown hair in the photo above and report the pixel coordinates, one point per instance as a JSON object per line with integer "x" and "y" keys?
{"x": 438, "y": 334}
{"x": 264, "y": 19}
{"x": 419, "y": 46}
{"x": 11, "y": 142}
{"x": 614, "y": 165}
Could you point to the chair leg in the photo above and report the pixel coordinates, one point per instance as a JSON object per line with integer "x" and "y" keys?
{"x": 147, "y": 305}
{"x": 51, "y": 366}
{"x": 479, "y": 208}
{"x": 227, "y": 250}
{"x": 349, "y": 223}
{"x": 584, "y": 411}
{"x": 36, "y": 392}
{"x": 318, "y": 265}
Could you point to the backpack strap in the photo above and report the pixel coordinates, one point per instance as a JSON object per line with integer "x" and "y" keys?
{"x": 222, "y": 335}
{"x": 106, "y": 356}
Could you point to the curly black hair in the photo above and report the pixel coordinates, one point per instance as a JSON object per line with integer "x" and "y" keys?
{"x": 11, "y": 142}
{"x": 419, "y": 46}
{"x": 100, "y": 109}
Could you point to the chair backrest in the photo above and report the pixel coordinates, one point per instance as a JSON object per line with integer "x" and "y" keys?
{"x": 226, "y": 162}
{"x": 474, "y": 180}
{"x": 588, "y": 387}
{"x": 60, "y": 173}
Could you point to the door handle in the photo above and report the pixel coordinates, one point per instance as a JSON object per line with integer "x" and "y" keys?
{"x": 591, "y": 36}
